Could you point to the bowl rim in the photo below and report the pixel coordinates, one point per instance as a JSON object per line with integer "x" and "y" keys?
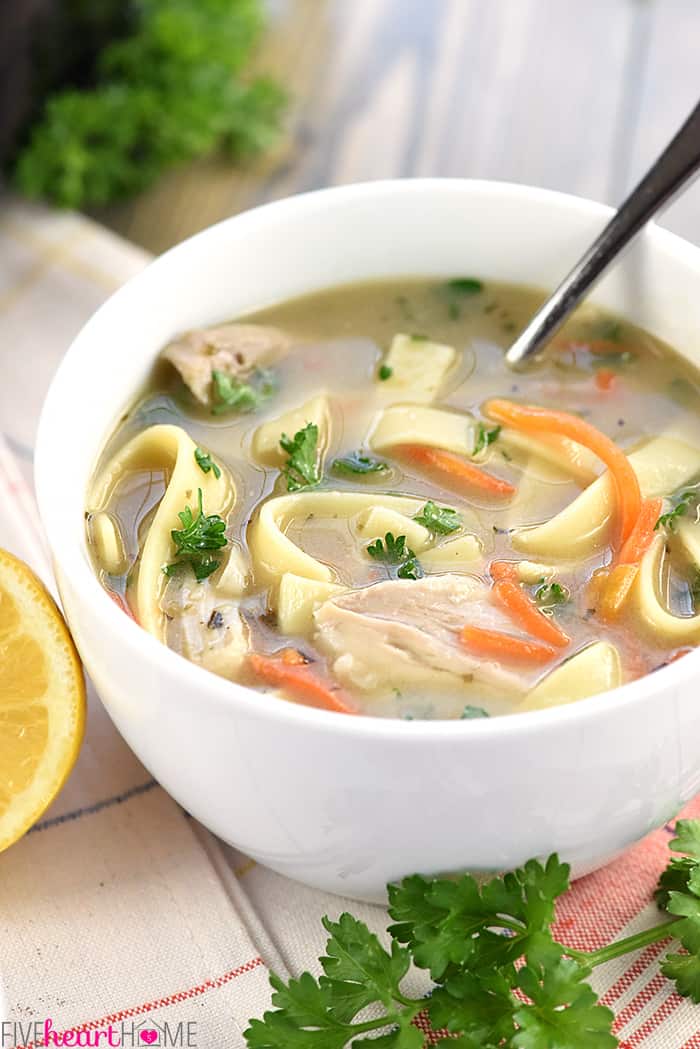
{"x": 227, "y": 695}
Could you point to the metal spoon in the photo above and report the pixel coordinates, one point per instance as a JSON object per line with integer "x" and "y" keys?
{"x": 676, "y": 166}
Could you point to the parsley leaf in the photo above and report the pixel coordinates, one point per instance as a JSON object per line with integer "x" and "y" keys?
{"x": 234, "y": 395}
{"x": 501, "y": 981}
{"x": 564, "y": 1012}
{"x": 439, "y": 519}
{"x": 206, "y": 463}
{"x": 199, "y": 534}
{"x": 302, "y": 469}
{"x": 552, "y": 594}
{"x": 393, "y": 551}
{"x": 680, "y": 509}
{"x": 385, "y": 372}
{"x": 484, "y": 438}
{"x": 358, "y": 463}
{"x": 358, "y": 972}
{"x": 470, "y": 712}
{"x": 465, "y": 285}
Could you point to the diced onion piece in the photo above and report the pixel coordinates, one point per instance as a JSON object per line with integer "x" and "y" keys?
{"x": 296, "y": 601}
{"x": 266, "y": 441}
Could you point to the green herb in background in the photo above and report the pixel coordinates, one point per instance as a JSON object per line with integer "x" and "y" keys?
{"x": 200, "y": 534}
{"x": 168, "y": 91}
{"x": 302, "y": 469}
{"x": 385, "y": 372}
{"x": 501, "y": 980}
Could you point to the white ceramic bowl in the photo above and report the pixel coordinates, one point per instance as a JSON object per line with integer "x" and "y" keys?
{"x": 347, "y": 804}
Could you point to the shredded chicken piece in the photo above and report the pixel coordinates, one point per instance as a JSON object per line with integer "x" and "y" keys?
{"x": 407, "y": 630}
{"x": 234, "y": 349}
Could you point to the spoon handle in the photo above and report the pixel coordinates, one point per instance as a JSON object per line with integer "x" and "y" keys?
{"x": 678, "y": 163}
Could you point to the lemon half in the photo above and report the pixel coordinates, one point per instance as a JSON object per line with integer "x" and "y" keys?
{"x": 42, "y": 699}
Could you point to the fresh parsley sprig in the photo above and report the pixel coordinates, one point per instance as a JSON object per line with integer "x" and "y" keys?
{"x": 206, "y": 463}
{"x": 393, "y": 551}
{"x": 200, "y": 534}
{"x": 682, "y": 502}
{"x": 548, "y": 594}
{"x": 439, "y": 519}
{"x": 233, "y": 395}
{"x": 302, "y": 468}
{"x": 501, "y": 981}
{"x": 484, "y": 437}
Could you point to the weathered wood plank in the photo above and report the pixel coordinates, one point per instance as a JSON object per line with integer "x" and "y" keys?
{"x": 526, "y": 90}
{"x": 668, "y": 90}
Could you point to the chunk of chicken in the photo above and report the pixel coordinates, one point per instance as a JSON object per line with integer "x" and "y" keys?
{"x": 407, "y": 631}
{"x": 204, "y": 628}
{"x": 234, "y": 349}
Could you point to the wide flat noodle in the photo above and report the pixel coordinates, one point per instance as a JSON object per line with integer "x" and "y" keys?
{"x": 417, "y": 424}
{"x": 168, "y": 449}
{"x": 273, "y": 553}
{"x": 665, "y": 627}
{"x": 583, "y": 527}
{"x": 594, "y": 669}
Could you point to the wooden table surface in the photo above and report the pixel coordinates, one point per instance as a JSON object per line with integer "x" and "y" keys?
{"x": 576, "y": 95}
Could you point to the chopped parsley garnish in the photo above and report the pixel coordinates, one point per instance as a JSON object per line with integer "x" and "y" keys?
{"x": 206, "y": 463}
{"x": 500, "y": 978}
{"x": 200, "y": 534}
{"x": 682, "y": 503}
{"x": 551, "y": 594}
{"x": 385, "y": 372}
{"x": 439, "y": 519}
{"x": 470, "y": 712}
{"x": 465, "y": 285}
{"x": 484, "y": 437}
{"x": 358, "y": 463}
{"x": 302, "y": 469}
{"x": 410, "y": 569}
{"x": 453, "y": 311}
{"x": 234, "y": 395}
{"x": 394, "y": 552}
{"x": 417, "y": 337}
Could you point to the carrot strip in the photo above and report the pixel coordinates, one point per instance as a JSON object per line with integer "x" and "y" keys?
{"x": 300, "y": 679}
{"x": 605, "y": 379}
{"x": 501, "y": 646}
{"x": 525, "y": 613}
{"x": 642, "y": 534}
{"x": 624, "y": 572}
{"x": 504, "y": 570}
{"x": 538, "y": 420}
{"x": 616, "y": 590}
{"x": 456, "y": 469}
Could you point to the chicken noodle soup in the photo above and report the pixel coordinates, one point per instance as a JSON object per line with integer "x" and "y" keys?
{"x": 350, "y": 501}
